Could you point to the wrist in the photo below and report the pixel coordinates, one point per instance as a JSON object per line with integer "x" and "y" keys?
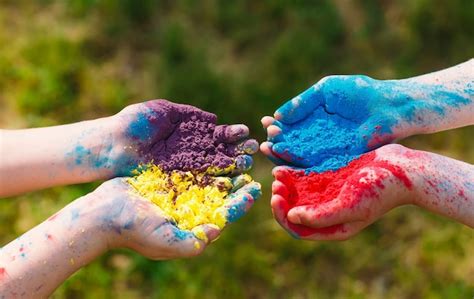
{"x": 92, "y": 224}
{"x": 109, "y": 212}
{"x": 404, "y": 165}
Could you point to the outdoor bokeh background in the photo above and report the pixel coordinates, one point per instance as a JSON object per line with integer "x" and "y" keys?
{"x": 66, "y": 61}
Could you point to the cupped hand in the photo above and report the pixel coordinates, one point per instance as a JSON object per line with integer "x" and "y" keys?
{"x": 135, "y": 222}
{"x": 337, "y": 205}
{"x": 365, "y": 111}
{"x": 177, "y": 136}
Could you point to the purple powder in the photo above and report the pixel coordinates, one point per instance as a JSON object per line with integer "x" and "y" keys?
{"x": 182, "y": 137}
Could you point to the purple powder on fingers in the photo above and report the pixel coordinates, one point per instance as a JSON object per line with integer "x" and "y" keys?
{"x": 182, "y": 137}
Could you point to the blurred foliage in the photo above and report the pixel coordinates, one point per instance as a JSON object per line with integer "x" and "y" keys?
{"x": 65, "y": 61}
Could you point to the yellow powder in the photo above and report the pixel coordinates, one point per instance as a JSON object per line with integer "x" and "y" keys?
{"x": 188, "y": 199}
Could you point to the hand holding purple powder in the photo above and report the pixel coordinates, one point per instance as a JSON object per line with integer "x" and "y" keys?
{"x": 181, "y": 137}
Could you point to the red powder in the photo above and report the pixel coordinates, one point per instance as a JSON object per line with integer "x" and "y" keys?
{"x": 317, "y": 188}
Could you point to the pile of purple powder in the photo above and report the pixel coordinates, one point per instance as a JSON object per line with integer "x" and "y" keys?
{"x": 186, "y": 138}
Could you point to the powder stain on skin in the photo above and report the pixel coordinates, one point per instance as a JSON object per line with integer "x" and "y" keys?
{"x": 187, "y": 198}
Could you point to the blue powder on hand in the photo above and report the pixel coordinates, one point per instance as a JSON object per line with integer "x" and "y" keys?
{"x": 321, "y": 141}
{"x": 357, "y": 114}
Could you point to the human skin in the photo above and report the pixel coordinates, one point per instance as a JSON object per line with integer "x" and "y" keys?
{"x": 104, "y": 148}
{"x": 439, "y": 184}
{"x": 383, "y": 110}
{"x": 112, "y": 216}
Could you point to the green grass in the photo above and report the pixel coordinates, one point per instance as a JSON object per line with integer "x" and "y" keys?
{"x": 68, "y": 61}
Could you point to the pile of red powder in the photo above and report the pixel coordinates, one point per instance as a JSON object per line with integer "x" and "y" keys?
{"x": 315, "y": 188}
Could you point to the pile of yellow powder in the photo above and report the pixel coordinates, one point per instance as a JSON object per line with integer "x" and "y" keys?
{"x": 187, "y": 199}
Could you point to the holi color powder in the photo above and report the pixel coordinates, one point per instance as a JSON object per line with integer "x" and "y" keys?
{"x": 322, "y": 141}
{"x": 314, "y": 189}
{"x": 188, "y": 199}
{"x": 187, "y": 139}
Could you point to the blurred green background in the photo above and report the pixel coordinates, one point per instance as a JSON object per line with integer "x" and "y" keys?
{"x": 66, "y": 61}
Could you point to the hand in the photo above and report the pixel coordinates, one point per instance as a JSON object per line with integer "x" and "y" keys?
{"x": 337, "y": 205}
{"x": 36, "y": 263}
{"x": 177, "y": 136}
{"x": 137, "y": 223}
{"x": 353, "y": 113}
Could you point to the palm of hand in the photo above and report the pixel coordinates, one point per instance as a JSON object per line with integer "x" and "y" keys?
{"x": 180, "y": 137}
{"x": 337, "y": 205}
{"x": 137, "y": 223}
{"x": 338, "y": 115}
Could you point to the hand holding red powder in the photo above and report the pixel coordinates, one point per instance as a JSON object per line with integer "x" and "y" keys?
{"x": 335, "y": 184}
{"x": 336, "y": 205}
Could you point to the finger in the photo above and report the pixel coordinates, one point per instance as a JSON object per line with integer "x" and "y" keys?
{"x": 323, "y": 215}
{"x": 230, "y": 133}
{"x": 241, "y": 201}
{"x": 239, "y": 164}
{"x": 280, "y": 189}
{"x": 282, "y": 174}
{"x": 338, "y": 232}
{"x": 300, "y": 106}
{"x": 222, "y": 183}
{"x": 179, "y": 243}
{"x": 279, "y": 209}
{"x": 268, "y": 120}
{"x": 266, "y": 149}
{"x": 240, "y": 181}
{"x": 206, "y": 232}
{"x": 243, "y": 163}
{"x": 248, "y": 147}
{"x": 274, "y": 134}
{"x": 281, "y": 150}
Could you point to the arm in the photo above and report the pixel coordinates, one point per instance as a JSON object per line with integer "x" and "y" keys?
{"x": 114, "y": 146}
{"x": 33, "y": 159}
{"x": 374, "y": 112}
{"x": 35, "y": 264}
{"x": 445, "y": 186}
{"x": 440, "y": 100}
{"x": 362, "y": 192}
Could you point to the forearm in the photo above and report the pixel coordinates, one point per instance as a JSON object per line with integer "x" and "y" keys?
{"x": 33, "y": 159}
{"x": 445, "y": 186}
{"x": 35, "y": 264}
{"x": 437, "y": 101}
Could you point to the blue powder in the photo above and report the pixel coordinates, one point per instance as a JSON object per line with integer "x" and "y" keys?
{"x": 348, "y": 111}
{"x": 141, "y": 128}
{"x": 321, "y": 141}
{"x": 180, "y": 235}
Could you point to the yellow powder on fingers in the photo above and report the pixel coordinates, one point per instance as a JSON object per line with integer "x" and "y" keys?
{"x": 187, "y": 199}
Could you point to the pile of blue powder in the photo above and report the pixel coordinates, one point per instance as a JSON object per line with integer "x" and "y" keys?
{"x": 321, "y": 142}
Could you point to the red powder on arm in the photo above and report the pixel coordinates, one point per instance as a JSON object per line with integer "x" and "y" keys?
{"x": 317, "y": 188}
